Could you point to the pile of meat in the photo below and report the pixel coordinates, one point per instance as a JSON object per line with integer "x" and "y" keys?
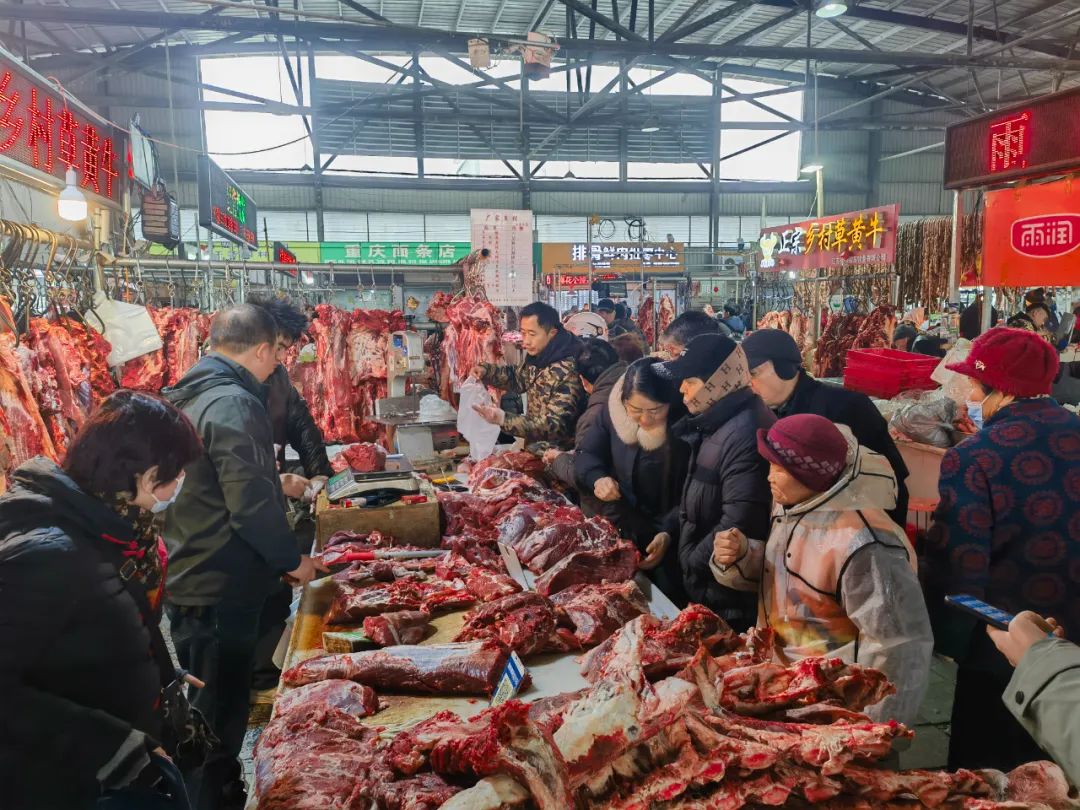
{"x": 664, "y": 316}
{"x": 844, "y": 332}
{"x": 876, "y": 330}
{"x": 183, "y": 331}
{"x": 473, "y": 335}
{"x": 360, "y": 457}
{"x": 348, "y": 372}
{"x": 794, "y": 323}
{"x": 677, "y": 715}
{"x": 524, "y": 462}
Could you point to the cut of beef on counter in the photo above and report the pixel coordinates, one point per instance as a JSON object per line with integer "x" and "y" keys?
{"x": 546, "y": 546}
{"x": 521, "y": 461}
{"x": 362, "y": 458}
{"x": 614, "y": 564}
{"x": 597, "y": 611}
{"x": 470, "y": 668}
{"x": 398, "y": 627}
{"x": 666, "y": 646}
{"x": 353, "y": 603}
{"x": 525, "y": 622}
{"x": 500, "y": 740}
{"x": 482, "y": 581}
{"x": 317, "y": 698}
{"x": 765, "y": 687}
{"x": 528, "y": 516}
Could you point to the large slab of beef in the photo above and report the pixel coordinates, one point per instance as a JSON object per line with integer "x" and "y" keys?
{"x": 521, "y": 461}
{"x": 398, "y": 627}
{"x": 183, "y": 330}
{"x": 500, "y": 740}
{"x": 485, "y": 579}
{"x": 470, "y": 668}
{"x": 666, "y": 645}
{"x": 615, "y": 563}
{"x": 546, "y": 546}
{"x": 528, "y": 516}
{"x": 524, "y": 622}
{"x": 353, "y": 603}
{"x": 360, "y": 457}
{"x": 473, "y": 335}
{"x": 314, "y": 754}
{"x": 315, "y": 699}
{"x": 765, "y": 687}
{"x": 23, "y": 432}
{"x": 148, "y": 372}
{"x": 597, "y": 611}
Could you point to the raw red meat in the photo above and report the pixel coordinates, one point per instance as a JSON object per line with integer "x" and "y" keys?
{"x": 425, "y": 791}
{"x": 399, "y": 627}
{"x": 545, "y": 547}
{"x": 613, "y": 564}
{"x": 666, "y": 645}
{"x": 373, "y": 540}
{"x": 766, "y": 687}
{"x": 528, "y": 516}
{"x": 500, "y": 740}
{"x": 346, "y": 696}
{"x": 23, "y": 432}
{"x": 184, "y": 334}
{"x": 352, "y": 603}
{"x": 148, "y": 372}
{"x": 473, "y": 336}
{"x": 597, "y": 611}
{"x": 94, "y": 349}
{"x": 664, "y": 317}
{"x": 487, "y": 582}
{"x": 478, "y": 549}
{"x": 525, "y": 622}
{"x": 471, "y": 668}
{"x": 362, "y": 457}
{"x": 523, "y": 462}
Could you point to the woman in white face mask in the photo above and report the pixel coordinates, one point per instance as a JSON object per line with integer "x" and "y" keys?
{"x": 633, "y": 464}
{"x": 1007, "y": 531}
{"x": 81, "y": 576}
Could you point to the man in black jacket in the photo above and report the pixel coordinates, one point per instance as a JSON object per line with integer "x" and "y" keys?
{"x": 292, "y": 425}
{"x": 229, "y": 540}
{"x": 778, "y": 378}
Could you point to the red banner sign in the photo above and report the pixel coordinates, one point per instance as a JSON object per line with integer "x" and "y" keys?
{"x": 41, "y": 129}
{"x": 1031, "y": 236}
{"x": 577, "y": 279}
{"x": 860, "y": 237}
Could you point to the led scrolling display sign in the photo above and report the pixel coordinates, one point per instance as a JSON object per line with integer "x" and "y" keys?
{"x": 224, "y": 207}
{"x": 1036, "y": 138}
{"x": 41, "y": 130}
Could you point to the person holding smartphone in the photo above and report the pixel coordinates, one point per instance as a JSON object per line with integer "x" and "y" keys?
{"x": 1044, "y": 692}
{"x": 1006, "y": 531}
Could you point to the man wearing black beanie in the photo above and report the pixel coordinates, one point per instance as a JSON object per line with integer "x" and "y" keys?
{"x": 777, "y": 376}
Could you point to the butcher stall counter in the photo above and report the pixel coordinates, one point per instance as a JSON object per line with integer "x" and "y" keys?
{"x": 552, "y": 674}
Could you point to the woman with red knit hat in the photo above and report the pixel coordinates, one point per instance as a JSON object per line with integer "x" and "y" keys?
{"x": 1007, "y": 531}
{"x": 837, "y": 576}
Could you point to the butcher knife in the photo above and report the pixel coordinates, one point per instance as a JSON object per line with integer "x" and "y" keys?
{"x": 368, "y": 556}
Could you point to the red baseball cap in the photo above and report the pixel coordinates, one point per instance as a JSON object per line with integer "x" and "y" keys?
{"x": 1013, "y": 361}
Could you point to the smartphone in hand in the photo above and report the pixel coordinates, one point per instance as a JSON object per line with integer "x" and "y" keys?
{"x": 995, "y": 617}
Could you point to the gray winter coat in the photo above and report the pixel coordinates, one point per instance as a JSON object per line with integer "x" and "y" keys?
{"x": 227, "y": 533}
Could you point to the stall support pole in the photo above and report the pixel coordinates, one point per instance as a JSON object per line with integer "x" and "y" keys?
{"x": 987, "y": 309}
{"x": 954, "y": 247}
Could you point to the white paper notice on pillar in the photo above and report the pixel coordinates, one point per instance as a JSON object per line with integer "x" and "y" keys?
{"x": 508, "y": 272}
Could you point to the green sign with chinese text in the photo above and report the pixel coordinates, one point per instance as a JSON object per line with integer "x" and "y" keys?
{"x": 407, "y": 253}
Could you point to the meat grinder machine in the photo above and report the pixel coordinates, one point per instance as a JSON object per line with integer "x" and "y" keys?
{"x": 416, "y": 438}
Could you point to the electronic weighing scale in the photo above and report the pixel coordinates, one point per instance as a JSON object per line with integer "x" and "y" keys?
{"x": 350, "y": 484}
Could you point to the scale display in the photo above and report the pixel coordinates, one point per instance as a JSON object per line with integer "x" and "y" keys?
{"x": 224, "y": 207}
{"x": 348, "y": 483}
{"x": 1032, "y": 139}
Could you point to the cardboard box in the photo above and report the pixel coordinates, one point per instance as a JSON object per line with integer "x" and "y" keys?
{"x": 415, "y": 524}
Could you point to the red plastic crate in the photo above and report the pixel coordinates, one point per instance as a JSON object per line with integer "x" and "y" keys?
{"x": 884, "y": 373}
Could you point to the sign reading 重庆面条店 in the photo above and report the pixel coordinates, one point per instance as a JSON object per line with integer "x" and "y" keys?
{"x": 842, "y": 240}
{"x": 508, "y": 271}
{"x": 1031, "y": 236}
{"x": 401, "y": 253}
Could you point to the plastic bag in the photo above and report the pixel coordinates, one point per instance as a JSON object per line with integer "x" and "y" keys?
{"x": 954, "y": 386}
{"x": 929, "y": 420}
{"x": 434, "y": 409}
{"x": 128, "y": 327}
{"x": 480, "y": 435}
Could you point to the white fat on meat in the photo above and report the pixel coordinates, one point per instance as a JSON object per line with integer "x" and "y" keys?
{"x": 490, "y": 793}
{"x": 607, "y": 710}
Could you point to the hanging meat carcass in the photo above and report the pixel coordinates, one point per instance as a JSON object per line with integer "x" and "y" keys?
{"x": 664, "y": 316}
{"x": 473, "y": 335}
{"x": 23, "y": 432}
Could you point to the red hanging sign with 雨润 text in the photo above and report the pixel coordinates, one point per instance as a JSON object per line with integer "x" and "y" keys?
{"x": 1032, "y": 236}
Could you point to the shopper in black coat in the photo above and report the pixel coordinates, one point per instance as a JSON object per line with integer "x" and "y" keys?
{"x": 727, "y": 486}
{"x": 630, "y": 461}
{"x": 778, "y": 378}
{"x": 79, "y": 686}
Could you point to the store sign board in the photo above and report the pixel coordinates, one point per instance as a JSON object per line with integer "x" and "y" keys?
{"x": 40, "y": 130}
{"x": 859, "y": 237}
{"x": 1024, "y": 141}
{"x": 616, "y": 257}
{"x": 399, "y": 253}
{"x": 282, "y": 255}
{"x": 508, "y": 271}
{"x": 1032, "y": 236}
{"x": 574, "y": 280}
{"x": 224, "y": 207}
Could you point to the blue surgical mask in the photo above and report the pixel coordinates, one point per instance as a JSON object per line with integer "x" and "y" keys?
{"x": 161, "y": 506}
{"x": 975, "y": 412}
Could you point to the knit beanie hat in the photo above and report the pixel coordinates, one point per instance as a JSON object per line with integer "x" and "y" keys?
{"x": 808, "y": 446}
{"x": 1013, "y": 361}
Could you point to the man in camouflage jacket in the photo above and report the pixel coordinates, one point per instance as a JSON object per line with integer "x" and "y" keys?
{"x": 549, "y": 379}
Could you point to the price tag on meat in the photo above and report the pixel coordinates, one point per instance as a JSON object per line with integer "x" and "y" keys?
{"x": 508, "y": 271}
{"x": 510, "y": 681}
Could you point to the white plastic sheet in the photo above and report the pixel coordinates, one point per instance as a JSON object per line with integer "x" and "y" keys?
{"x": 128, "y": 327}
{"x": 480, "y": 435}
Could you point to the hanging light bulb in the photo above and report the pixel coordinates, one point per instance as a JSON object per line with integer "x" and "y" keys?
{"x": 72, "y": 202}
{"x": 830, "y": 8}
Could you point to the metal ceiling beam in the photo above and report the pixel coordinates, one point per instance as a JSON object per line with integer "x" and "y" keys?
{"x": 674, "y": 34}
{"x": 603, "y": 20}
